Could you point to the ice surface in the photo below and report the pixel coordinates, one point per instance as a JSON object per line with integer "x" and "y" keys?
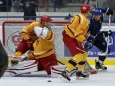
{"x": 102, "y": 78}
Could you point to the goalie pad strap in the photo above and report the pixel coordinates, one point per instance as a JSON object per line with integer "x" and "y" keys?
{"x": 72, "y": 62}
{"x": 81, "y": 63}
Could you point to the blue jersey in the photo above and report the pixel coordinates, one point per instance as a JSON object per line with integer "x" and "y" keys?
{"x": 95, "y": 26}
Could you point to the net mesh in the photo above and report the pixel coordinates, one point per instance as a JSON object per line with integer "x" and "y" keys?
{"x": 12, "y": 29}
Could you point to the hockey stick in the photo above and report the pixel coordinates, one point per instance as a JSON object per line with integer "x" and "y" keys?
{"x": 105, "y": 53}
{"x": 60, "y": 62}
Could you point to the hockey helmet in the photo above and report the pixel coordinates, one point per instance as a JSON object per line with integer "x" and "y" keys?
{"x": 85, "y": 8}
{"x": 45, "y": 18}
{"x": 97, "y": 11}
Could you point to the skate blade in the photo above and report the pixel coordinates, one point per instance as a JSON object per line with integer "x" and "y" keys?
{"x": 101, "y": 70}
{"x": 82, "y": 78}
{"x": 63, "y": 79}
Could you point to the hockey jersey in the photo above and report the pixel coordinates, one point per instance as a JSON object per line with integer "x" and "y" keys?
{"x": 78, "y": 27}
{"x": 44, "y": 46}
{"x": 95, "y": 26}
{"x": 28, "y": 31}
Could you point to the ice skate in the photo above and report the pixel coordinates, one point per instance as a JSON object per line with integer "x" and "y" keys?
{"x": 64, "y": 76}
{"x": 80, "y": 75}
{"x": 99, "y": 66}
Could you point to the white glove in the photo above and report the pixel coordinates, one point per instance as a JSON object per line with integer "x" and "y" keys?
{"x": 41, "y": 32}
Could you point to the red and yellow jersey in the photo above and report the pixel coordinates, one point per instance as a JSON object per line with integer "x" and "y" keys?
{"x": 44, "y": 46}
{"x": 28, "y": 31}
{"x": 78, "y": 27}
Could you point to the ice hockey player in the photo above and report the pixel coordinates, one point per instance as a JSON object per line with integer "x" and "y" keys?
{"x": 29, "y": 37}
{"x": 94, "y": 30}
{"x": 74, "y": 37}
{"x": 3, "y": 60}
{"x": 43, "y": 46}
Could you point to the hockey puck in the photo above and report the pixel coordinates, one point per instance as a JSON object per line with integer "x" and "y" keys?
{"x": 49, "y": 80}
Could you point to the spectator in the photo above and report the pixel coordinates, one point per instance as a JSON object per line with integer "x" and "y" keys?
{"x": 44, "y": 4}
{"x": 1, "y": 4}
{"x": 59, "y": 3}
{"x": 92, "y": 4}
{"x": 29, "y": 8}
{"x": 15, "y": 5}
{"x": 5, "y": 5}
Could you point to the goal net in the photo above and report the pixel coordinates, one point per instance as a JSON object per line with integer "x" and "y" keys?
{"x": 11, "y": 38}
{"x": 11, "y": 35}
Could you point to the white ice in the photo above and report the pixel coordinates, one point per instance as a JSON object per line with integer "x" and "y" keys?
{"x": 100, "y": 79}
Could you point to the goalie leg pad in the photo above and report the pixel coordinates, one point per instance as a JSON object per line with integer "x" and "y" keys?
{"x": 21, "y": 68}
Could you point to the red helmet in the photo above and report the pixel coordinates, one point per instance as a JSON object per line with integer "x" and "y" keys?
{"x": 85, "y": 8}
{"x": 45, "y": 18}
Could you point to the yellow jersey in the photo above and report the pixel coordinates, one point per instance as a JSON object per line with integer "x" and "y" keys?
{"x": 28, "y": 31}
{"x": 78, "y": 27}
{"x": 44, "y": 46}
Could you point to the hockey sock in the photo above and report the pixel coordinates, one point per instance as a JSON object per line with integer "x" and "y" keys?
{"x": 70, "y": 65}
{"x": 85, "y": 55}
{"x": 81, "y": 65}
{"x": 101, "y": 59}
{"x": 18, "y": 53}
{"x": 79, "y": 58}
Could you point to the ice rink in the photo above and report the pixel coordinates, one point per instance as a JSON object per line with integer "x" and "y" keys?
{"x": 102, "y": 78}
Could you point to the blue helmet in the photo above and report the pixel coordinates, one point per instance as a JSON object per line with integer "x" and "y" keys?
{"x": 97, "y": 11}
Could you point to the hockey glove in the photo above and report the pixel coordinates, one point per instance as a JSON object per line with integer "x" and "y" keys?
{"x": 87, "y": 45}
{"x": 106, "y": 33}
{"x": 108, "y": 11}
{"x": 91, "y": 39}
{"x": 41, "y": 32}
